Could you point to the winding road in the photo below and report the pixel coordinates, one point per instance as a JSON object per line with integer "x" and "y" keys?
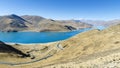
{"x": 8, "y": 63}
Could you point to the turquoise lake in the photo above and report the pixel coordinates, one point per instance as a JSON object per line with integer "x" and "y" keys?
{"x": 38, "y": 37}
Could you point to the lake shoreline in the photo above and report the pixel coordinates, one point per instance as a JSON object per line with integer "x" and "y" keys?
{"x": 37, "y": 37}
{"x": 46, "y": 31}
{"x": 44, "y": 43}
{"x": 32, "y": 43}
{"x": 48, "y": 42}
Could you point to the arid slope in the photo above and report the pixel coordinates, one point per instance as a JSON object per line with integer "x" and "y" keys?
{"x": 93, "y": 48}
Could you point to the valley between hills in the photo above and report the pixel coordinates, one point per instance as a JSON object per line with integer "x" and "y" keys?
{"x": 90, "y": 49}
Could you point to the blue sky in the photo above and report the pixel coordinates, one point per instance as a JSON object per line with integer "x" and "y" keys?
{"x": 63, "y": 9}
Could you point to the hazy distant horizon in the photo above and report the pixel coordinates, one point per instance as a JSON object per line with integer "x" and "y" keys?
{"x": 66, "y": 19}
{"x": 63, "y": 9}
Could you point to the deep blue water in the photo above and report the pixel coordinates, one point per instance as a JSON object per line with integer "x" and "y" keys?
{"x": 39, "y": 37}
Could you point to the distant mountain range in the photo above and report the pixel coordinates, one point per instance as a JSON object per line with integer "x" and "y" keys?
{"x": 100, "y": 22}
{"x": 16, "y": 23}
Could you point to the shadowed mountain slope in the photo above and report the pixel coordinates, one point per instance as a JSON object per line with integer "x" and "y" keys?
{"x": 4, "y": 48}
{"x": 13, "y": 23}
{"x": 37, "y": 23}
{"x": 54, "y": 25}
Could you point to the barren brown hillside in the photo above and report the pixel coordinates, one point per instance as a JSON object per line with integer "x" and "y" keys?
{"x": 92, "y": 49}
